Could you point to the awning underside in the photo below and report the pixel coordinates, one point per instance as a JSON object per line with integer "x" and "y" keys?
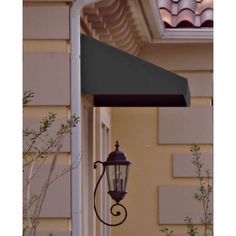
{"x": 116, "y": 78}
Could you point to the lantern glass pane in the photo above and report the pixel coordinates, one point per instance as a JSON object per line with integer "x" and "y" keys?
{"x": 121, "y": 177}
{"x": 116, "y": 177}
{"x": 109, "y": 178}
{"x": 126, "y": 178}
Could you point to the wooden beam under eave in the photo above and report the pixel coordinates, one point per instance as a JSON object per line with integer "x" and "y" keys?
{"x": 113, "y": 15}
{"x": 128, "y": 45}
{"x": 90, "y": 11}
{"x": 85, "y": 26}
{"x": 109, "y": 10}
{"x": 106, "y": 3}
{"x": 105, "y": 37}
{"x": 113, "y": 24}
{"x": 125, "y": 40}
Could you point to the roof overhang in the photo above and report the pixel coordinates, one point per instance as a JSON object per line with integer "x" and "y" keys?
{"x": 118, "y": 79}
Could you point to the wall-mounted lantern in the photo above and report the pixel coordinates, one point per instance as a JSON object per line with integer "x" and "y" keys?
{"x": 116, "y": 167}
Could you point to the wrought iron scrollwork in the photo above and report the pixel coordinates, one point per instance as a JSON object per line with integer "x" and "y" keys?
{"x": 112, "y": 209}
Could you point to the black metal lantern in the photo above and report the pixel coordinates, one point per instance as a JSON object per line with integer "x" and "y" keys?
{"x": 117, "y": 168}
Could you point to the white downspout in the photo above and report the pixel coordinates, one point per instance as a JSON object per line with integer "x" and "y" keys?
{"x": 76, "y": 179}
{"x": 76, "y": 183}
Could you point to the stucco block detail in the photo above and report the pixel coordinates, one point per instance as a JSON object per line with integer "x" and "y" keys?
{"x": 46, "y": 22}
{"x": 57, "y": 201}
{"x": 183, "y": 166}
{"x": 48, "y": 76}
{"x": 185, "y": 234}
{"x": 186, "y": 125}
{"x": 40, "y": 143}
{"x": 179, "y": 57}
{"x": 177, "y": 202}
{"x": 53, "y": 232}
{"x": 200, "y": 83}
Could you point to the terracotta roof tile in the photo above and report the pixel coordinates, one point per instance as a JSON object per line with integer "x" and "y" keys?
{"x": 186, "y": 13}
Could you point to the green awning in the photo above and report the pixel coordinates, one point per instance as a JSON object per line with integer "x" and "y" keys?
{"x": 116, "y": 78}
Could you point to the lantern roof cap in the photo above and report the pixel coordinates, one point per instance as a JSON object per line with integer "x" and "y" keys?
{"x": 117, "y": 157}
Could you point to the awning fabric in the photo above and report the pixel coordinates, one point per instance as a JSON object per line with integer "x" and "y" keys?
{"x": 118, "y": 79}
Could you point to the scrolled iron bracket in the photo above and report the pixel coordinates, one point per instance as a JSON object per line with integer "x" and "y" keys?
{"x": 117, "y": 204}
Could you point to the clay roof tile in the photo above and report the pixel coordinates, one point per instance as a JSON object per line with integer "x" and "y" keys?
{"x": 186, "y": 13}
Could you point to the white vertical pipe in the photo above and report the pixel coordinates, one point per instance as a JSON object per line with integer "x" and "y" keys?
{"x": 76, "y": 179}
{"x": 76, "y": 183}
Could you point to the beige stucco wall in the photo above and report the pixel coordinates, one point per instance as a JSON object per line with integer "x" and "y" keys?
{"x": 137, "y": 129}
{"x": 39, "y": 42}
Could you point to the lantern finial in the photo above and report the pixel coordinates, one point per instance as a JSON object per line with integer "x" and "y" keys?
{"x": 117, "y": 145}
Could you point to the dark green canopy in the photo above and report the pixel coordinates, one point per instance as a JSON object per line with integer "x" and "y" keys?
{"x": 116, "y": 78}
